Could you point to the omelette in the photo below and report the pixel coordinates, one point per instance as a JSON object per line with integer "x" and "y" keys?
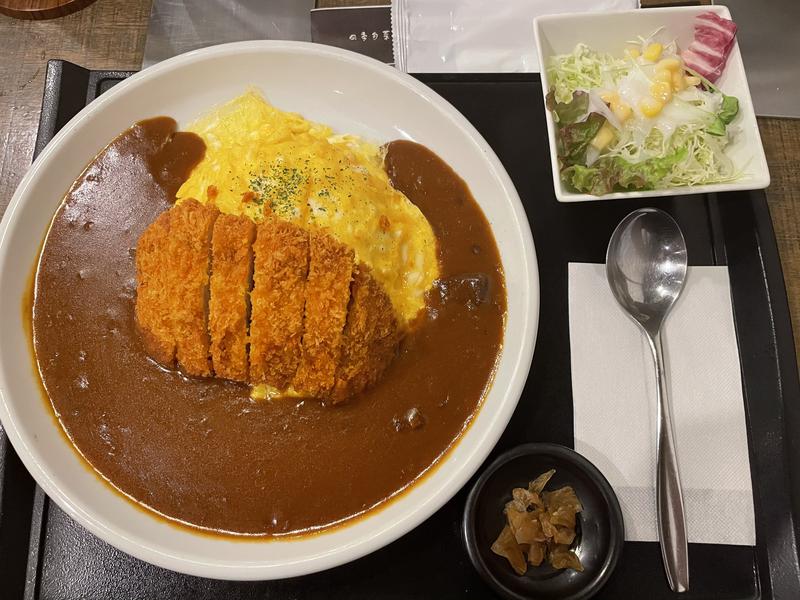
{"x": 288, "y": 261}
{"x": 262, "y": 162}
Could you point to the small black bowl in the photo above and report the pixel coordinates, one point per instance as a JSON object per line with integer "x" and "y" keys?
{"x": 600, "y": 529}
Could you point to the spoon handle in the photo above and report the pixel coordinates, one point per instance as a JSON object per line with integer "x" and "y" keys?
{"x": 669, "y": 495}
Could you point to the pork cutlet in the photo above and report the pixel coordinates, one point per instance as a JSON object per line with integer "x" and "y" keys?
{"x": 266, "y": 304}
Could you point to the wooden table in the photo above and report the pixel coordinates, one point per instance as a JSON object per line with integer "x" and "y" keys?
{"x": 111, "y": 34}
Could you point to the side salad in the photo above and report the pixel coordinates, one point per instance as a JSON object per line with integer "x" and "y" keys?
{"x": 652, "y": 118}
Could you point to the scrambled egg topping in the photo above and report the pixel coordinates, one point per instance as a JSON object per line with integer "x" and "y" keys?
{"x": 261, "y": 160}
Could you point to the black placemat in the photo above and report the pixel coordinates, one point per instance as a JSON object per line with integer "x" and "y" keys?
{"x": 55, "y": 558}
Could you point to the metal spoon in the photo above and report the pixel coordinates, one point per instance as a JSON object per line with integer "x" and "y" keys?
{"x": 646, "y": 269}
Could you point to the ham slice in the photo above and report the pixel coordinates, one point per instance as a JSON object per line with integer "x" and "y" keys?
{"x": 714, "y": 21}
{"x": 713, "y": 40}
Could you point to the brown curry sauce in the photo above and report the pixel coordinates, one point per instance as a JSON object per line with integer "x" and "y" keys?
{"x": 201, "y": 451}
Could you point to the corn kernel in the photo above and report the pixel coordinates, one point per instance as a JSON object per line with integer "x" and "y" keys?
{"x": 692, "y": 80}
{"x": 661, "y": 90}
{"x": 633, "y": 52}
{"x": 678, "y": 81}
{"x": 603, "y": 137}
{"x": 663, "y": 75}
{"x": 622, "y": 110}
{"x": 608, "y": 97}
{"x": 653, "y": 52}
{"x": 650, "y": 107}
{"x": 670, "y": 64}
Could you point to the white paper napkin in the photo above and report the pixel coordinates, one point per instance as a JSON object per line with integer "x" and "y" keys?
{"x": 613, "y": 386}
{"x": 463, "y": 36}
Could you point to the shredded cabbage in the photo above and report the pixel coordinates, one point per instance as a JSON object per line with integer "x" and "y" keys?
{"x": 704, "y": 161}
{"x": 583, "y": 69}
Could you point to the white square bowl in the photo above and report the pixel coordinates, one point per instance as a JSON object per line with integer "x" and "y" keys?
{"x": 608, "y": 32}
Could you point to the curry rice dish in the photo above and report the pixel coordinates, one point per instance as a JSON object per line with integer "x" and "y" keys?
{"x": 252, "y": 358}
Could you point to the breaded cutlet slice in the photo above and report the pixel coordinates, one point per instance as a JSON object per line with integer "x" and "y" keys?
{"x": 370, "y": 336}
{"x": 228, "y": 305}
{"x": 187, "y": 264}
{"x": 280, "y": 269}
{"x": 153, "y": 295}
{"x": 327, "y": 297}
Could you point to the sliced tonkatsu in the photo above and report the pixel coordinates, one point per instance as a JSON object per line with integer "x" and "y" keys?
{"x": 191, "y": 226}
{"x": 370, "y": 337}
{"x": 327, "y": 297}
{"x": 277, "y": 300}
{"x": 173, "y": 267}
{"x": 154, "y": 292}
{"x": 229, "y": 302}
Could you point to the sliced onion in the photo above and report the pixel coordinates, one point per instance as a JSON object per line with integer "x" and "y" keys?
{"x": 597, "y": 105}
{"x": 592, "y": 154}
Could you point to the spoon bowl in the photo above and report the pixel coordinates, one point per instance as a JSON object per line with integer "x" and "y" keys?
{"x": 646, "y": 266}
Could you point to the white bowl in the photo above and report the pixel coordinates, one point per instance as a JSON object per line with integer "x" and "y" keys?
{"x": 608, "y": 32}
{"x": 353, "y": 94}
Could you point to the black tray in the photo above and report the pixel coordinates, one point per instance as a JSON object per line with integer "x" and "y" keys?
{"x": 44, "y": 554}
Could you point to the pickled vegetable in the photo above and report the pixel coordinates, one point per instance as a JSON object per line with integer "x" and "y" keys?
{"x": 506, "y": 546}
{"x": 540, "y": 526}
